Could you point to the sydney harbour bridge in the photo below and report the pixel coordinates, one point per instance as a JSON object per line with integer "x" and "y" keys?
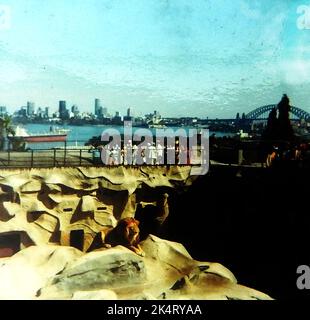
{"x": 262, "y": 113}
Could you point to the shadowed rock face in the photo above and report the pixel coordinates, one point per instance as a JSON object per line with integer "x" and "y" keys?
{"x": 60, "y": 272}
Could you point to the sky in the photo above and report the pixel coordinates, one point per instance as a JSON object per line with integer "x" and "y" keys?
{"x": 204, "y": 58}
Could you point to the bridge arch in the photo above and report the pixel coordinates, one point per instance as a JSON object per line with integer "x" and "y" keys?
{"x": 258, "y": 112}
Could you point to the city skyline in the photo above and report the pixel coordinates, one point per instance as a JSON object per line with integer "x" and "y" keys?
{"x": 31, "y": 108}
{"x": 203, "y": 58}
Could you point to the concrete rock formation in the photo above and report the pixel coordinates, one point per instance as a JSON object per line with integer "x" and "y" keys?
{"x": 68, "y": 206}
{"x": 60, "y": 272}
{"x": 49, "y": 218}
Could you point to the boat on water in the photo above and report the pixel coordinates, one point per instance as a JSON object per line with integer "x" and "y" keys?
{"x": 54, "y": 135}
{"x": 157, "y": 126}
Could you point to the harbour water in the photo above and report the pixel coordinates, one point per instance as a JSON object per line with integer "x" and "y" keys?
{"x": 79, "y": 135}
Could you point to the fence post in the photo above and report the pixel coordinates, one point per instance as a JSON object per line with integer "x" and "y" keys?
{"x": 65, "y": 154}
{"x": 31, "y": 164}
{"x": 80, "y": 157}
{"x": 54, "y": 159}
{"x": 240, "y": 157}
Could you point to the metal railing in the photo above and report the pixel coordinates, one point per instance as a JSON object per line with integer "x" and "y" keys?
{"x": 241, "y": 154}
{"x": 37, "y": 158}
{"x": 55, "y": 157}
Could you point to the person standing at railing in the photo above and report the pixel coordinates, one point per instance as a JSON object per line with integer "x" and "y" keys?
{"x": 152, "y": 153}
{"x": 122, "y": 154}
{"x": 134, "y": 154}
{"x": 160, "y": 154}
{"x": 113, "y": 157}
{"x": 128, "y": 153}
{"x": 143, "y": 155}
{"x": 107, "y": 154}
{"x": 272, "y": 157}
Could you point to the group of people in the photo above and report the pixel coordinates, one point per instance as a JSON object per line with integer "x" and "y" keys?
{"x": 132, "y": 154}
{"x": 294, "y": 152}
{"x": 149, "y": 153}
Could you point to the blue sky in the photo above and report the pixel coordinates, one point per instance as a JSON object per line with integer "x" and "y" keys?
{"x": 184, "y": 58}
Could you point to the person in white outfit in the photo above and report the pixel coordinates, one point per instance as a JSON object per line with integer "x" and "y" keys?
{"x": 152, "y": 153}
{"x": 160, "y": 154}
{"x": 115, "y": 156}
{"x": 134, "y": 154}
{"x": 128, "y": 153}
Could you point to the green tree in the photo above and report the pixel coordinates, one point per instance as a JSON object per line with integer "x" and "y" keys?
{"x": 279, "y": 126}
{"x": 285, "y": 127}
{"x": 6, "y": 129}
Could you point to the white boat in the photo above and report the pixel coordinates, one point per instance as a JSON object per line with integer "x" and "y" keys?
{"x": 54, "y": 135}
{"x": 157, "y": 126}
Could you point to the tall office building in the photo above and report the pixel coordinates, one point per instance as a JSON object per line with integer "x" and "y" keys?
{"x": 117, "y": 119}
{"x": 47, "y": 112}
{"x": 75, "y": 110}
{"x": 98, "y": 107}
{"x": 128, "y": 117}
{"x": 63, "y": 112}
{"x": 40, "y": 113}
{"x": 62, "y": 107}
{"x": 30, "y": 108}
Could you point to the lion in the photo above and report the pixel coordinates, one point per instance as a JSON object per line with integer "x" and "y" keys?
{"x": 126, "y": 233}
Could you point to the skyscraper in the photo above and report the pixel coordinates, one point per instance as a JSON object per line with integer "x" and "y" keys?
{"x": 75, "y": 110}
{"x": 40, "y": 113}
{"x": 62, "y": 106}
{"x": 98, "y": 108}
{"x": 30, "y": 108}
{"x": 47, "y": 113}
{"x": 128, "y": 117}
{"x": 63, "y": 112}
{"x": 117, "y": 120}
